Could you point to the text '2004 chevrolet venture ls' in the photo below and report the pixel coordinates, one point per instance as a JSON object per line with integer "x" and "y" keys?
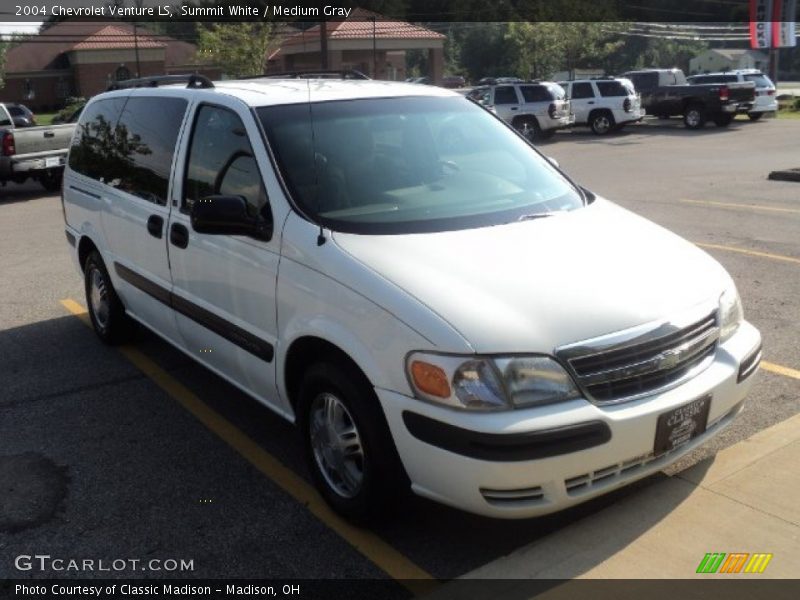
{"x": 403, "y": 275}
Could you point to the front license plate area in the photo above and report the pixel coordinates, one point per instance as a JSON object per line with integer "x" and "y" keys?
{"x": 680, "y": 425}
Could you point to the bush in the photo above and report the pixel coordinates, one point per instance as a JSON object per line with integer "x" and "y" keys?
{"x": 73, "y": 104}
{"x": 796, "y": 104}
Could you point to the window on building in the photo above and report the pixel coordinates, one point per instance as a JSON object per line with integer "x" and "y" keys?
{"x": 122, "y": 73}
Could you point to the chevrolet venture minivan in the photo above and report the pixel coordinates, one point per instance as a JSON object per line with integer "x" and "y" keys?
{"x": 400, "y": 273}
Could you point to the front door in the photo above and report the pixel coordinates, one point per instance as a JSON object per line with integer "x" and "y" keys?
{"x": 224, "y": 285}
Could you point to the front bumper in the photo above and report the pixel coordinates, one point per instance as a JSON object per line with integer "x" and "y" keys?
{"x": 518, "y": 486}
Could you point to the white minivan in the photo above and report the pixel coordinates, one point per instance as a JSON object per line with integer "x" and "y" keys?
{"x": 403, "y": 275}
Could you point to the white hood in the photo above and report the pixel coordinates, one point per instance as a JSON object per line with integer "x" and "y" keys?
{"x": 535, "y": 285}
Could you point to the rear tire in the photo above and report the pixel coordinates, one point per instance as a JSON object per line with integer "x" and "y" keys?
{"x": 755, "y": 116}
{"x": 694, "y": 117}
{"x": 349, "y": 449}
{"x": 106, "y": 311}
{"x": 723, "y": 120}
{"x": 601, "y": 122}
{"x": 51, "y": 180}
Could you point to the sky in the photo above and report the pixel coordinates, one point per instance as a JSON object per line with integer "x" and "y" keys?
{"x": 24, "y": 27}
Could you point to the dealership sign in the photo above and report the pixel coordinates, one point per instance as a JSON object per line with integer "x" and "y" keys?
{"x": 772, "y": 23}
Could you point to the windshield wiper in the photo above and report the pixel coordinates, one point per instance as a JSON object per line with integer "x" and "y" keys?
{"x": 533, "y": 216}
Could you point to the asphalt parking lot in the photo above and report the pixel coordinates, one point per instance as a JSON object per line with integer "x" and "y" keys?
{"x": 140, "y": 453}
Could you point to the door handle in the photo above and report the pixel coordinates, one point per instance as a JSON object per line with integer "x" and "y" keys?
{"x": 514, "y": 108}
{"x": 155, "y": 225}
{"x": 49, "y": 134}
{"x": 590, "y": 102}
{"x": 179, "y": 235}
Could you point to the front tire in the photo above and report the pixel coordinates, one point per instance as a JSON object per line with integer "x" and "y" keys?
{"x": 694, "y": 117}
{"x": 755, "y": 116}
{"x": 106, "y": 311}
{"x": 51, "y": 180}
{"x": 348, "y": 445}
{"x": 723, "y": 120}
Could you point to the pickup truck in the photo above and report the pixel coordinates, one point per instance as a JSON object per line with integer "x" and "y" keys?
{"x": 32, "y": 152}
{"x": 666, "y": 93}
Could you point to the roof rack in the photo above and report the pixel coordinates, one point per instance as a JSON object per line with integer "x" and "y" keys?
{"x": 193, "y": 81}
{"x": 313, "y": 74}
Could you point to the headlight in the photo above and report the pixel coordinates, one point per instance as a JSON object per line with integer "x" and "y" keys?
{"x": 489, "y": 383}
{"x": 730, "y": 313}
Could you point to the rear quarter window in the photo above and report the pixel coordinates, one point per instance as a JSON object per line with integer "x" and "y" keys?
{"x": 535, "y": 93}
{"x": 611, "y": 89}
{"x": 95, "y": 134}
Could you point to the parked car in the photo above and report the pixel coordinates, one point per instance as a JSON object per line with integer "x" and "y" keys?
{"x": 766, "y": 100}
{"x": 537, "y": 109}
{"x": 21, "y": 115}
{"x": 665, "y": 93}
{"x": 459, "y": 318}
{"x": 31, "y": 152}
{"x": 605, "y": 104}
{"x": 453, "y": 81}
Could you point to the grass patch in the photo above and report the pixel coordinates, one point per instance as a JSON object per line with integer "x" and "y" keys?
{"x": 45, "y": 118}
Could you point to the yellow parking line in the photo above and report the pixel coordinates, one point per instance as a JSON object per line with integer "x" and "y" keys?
{"x": 386, "y": 557}
{"x": 740, "y": 206}
{"x": 780, "y": 370}
{"x": 781, "y": 257}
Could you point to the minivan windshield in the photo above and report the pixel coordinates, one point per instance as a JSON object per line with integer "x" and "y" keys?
{"x": 409, "y": 165}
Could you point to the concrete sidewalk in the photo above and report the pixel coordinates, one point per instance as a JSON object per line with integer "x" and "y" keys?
{"x": 746, "y": 499}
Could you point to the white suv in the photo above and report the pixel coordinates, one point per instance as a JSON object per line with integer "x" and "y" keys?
{"x": 604, "y": 104}
{"x": 536, "y": 108}
{"x": 766, "y": 94}
{"x": 403, "y": 275}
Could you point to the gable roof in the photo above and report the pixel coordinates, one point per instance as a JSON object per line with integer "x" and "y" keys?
{"x": 362, "y": 25}
{"x": 113, "y": 37}
{"x": 46, "y": 50}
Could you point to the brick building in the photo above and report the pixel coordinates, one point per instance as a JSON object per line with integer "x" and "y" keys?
{"x": 365, "y": 41}
{"x": 76, "y": 58}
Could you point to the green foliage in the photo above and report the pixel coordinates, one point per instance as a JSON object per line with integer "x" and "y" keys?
{"x": 239, "y": 48}
{"x": 3, "y": 48}
{"x": 536, "y": 48}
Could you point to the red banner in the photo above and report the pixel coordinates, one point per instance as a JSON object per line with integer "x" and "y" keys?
{"x": 761, "y": 23}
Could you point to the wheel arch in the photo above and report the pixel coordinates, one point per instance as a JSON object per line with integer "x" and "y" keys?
{"x": 309, "y": 349}
{"x": 85, "y": 247}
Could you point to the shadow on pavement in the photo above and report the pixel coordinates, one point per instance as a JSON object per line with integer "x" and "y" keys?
{"x": 138, "y": 464}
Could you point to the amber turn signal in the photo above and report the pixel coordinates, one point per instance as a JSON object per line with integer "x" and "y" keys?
{"x": 430, "y": 379}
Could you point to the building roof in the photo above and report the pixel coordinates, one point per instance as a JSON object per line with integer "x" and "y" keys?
{"x": 113, "y": 37}
{"x": 364, "y": 25}
{"x": 47, "y": 50}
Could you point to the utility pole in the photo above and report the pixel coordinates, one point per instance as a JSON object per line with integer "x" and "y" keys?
{"x": 374, "y": 49}
{"x": 136, "y": 48}
{"x": 323, "y": 44}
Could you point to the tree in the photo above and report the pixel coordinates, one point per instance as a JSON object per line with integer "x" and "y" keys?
{"x": 536, "y": 48}
{"x": 239, "y": 48}
{"x": 3, "y": 48}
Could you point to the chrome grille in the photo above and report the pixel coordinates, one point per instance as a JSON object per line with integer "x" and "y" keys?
{"x": 645, "y": 362}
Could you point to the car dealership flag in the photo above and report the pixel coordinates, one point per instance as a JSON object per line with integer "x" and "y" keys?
{"x": 784, "y": 13}
{"x": 760, "y": 23}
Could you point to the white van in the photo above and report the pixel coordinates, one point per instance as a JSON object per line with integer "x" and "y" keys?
{"x": 403, "y": 275}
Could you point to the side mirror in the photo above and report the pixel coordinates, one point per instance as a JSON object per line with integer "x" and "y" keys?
{"x": 553, "y": 162}
{"x": 227, "y": 215}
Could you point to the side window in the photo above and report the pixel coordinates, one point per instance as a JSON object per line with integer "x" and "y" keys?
{"x": 535, "y": 93}
{"x": 611, "y": 89}
{"x": 146, "y": 135}
{"x": 221, "y": 162}
{"x": 582, "y": 89}
{"x": 94, "y": 144}
{"x": 505, "y": 94}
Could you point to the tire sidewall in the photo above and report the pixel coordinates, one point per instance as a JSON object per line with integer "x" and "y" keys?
{"x": 119, "y": 326}
{"x": 381, "y": 474}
